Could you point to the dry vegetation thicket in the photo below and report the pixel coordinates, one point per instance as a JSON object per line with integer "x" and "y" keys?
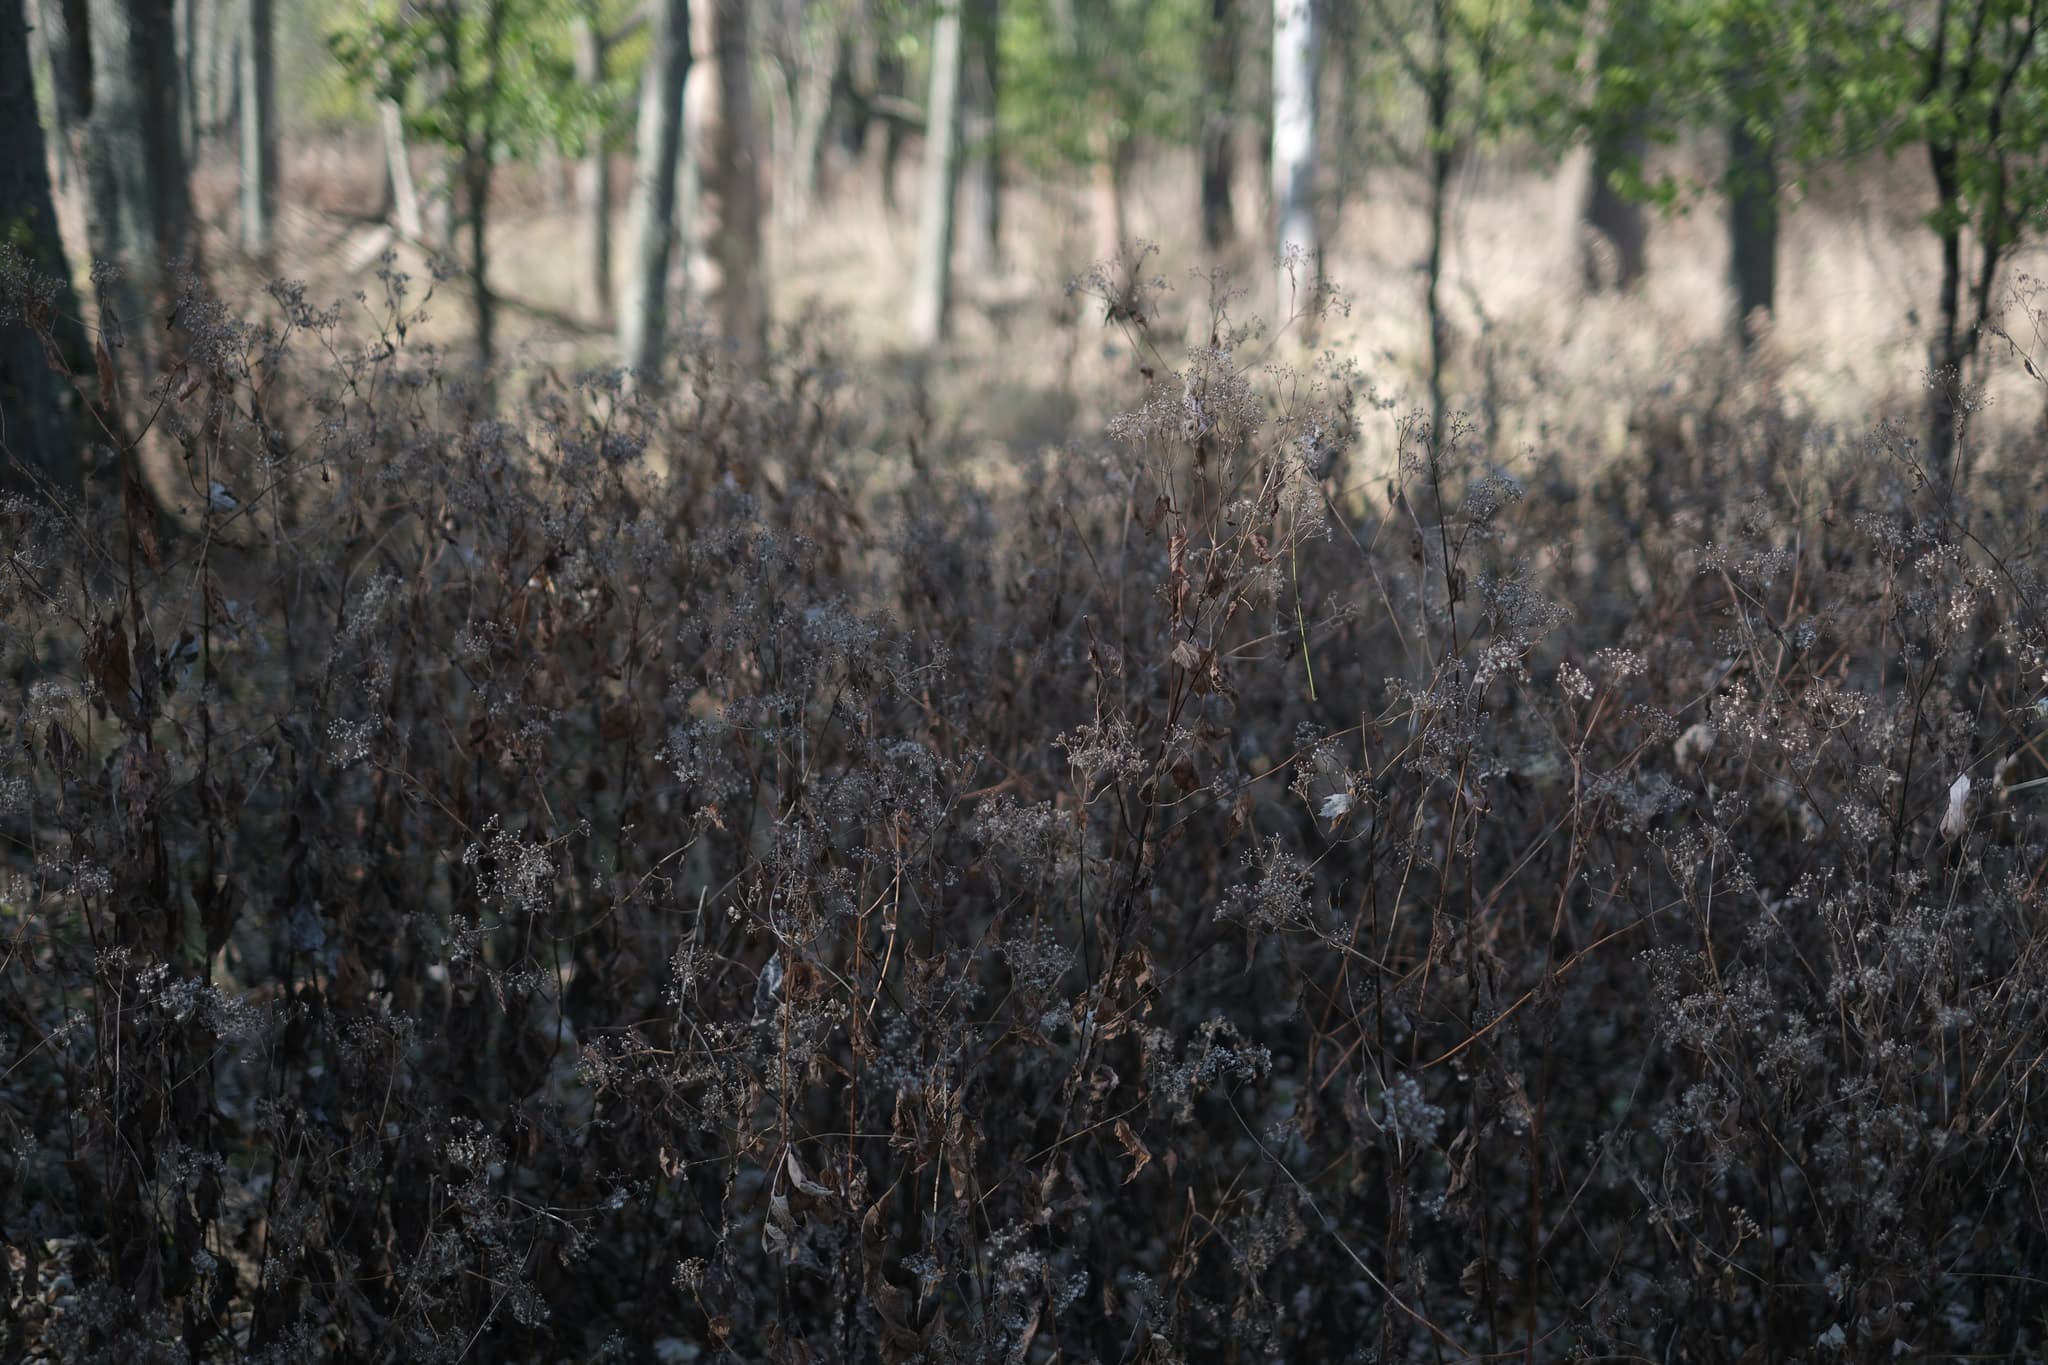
{"x": 620, "y": 884}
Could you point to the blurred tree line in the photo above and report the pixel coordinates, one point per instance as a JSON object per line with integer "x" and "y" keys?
{"x": 732, "y": 109}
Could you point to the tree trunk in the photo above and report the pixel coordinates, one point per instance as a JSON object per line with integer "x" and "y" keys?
{"x": 39, "y": 436}
{"x": 889, "y": 80}
{"x": 933, "y": 282}
{"x": 1219, "y": 126}
{"x": 857, "y": 81}
{"x": 593, "y": 173}
{"x": 1106, "y": 178}
{"x": 1752, "y": 230}
{"x": 479, "y": 166}
{"x": 1952, "y": 345}
{"x": 405, "y": 195}
{"x": 1439, "y": 104}
{"x": 1342, "y": 41}
{"x": 1294, "y": 151}
{"x": 70, "y": 79}
{"x": 138, "y": 198}
{"x": 185, "y": 24}
{"x": 203, "y": 46}
{"x": 222, "y": 44}
{"x": 982, "y": 90}
{"x": 1614, "y": 254}
{"x": 811, "y": 109}
{"x": 724, "y": 142}
{"x": 259, "y": 130}
{"x": 643, "y": 307}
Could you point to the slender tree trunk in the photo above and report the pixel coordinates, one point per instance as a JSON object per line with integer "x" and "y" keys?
{"x": 1107, "y": 175}
{"x": 186, "y": 25}
{"x": 983, "y": 150}
{"x": 780, "y": 143}
{"x": 405, "y": 195}
{"x": 593, "y": 173}
{"x": 479, "y": 166}
{"x": 259, "y": 130}
{"x": 1952, "y": 346}
{"x": 139, "y": 206}
{"x": 1343, "y": 42}
{"x": 1294, "y": 152}
{"x": 933, "y": 283}
{"x": 203, "y": 69}
{"x": 221, "y": 43}
{"x": 1219, "y": 126}
{"x": 51, "y": 31}
{"x": 842, "y": 121}
{"x": 1613, "y": 218}
{"x": 724, "y": 142}
{"x": 1440, "y": 162}
{"x": 811, "y": 110}
{"x": 39, "y": 428}
{"x": 1752, "y": 230}
{"x": 860, "y": 63}
{"x": 889, "y": 79}
{"x": 643, "y": 307}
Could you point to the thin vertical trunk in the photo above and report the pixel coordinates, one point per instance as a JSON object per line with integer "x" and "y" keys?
{"x": 405, "y": 195}
{"x": 593, "y": 173}
{"x": 780, "y": 147}
{"x": 221, "y": 44}
{"x": 46, "y": 31}
{"x": 1343, "y": 40}
{"x": 982, "y": 91}
{"x": 859, "y": 80}
{"x": 40, "y": 439}
{"x": 1107, "y": 176}
{"x": 1294, "y": 151}
{"x": 815, "y": 57}
{"x": 444, "y": 167}
{"x": 1752, "y": 230}
{"x": 1952, "y": 346}
{"x": 889, "y": 80}
{"x": 1439, "y": 102}
{"x": 933, "y": 283}
{"x": 139, "y": 206}
{"x": 479, "y": 166}
{"x": 1219, "y": 126}
{"x": 186, "y": 23}
{"x": 643, "y": 308}
{"x": 724, "y": 143}
{"x": 259, "y": 130}
{"x": 1615, "y": 254}
{"x": 812, "y": 109}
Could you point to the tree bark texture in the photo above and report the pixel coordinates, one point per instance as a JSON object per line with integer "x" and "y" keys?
{"x": 1219, "y": 126}
{"x": 643, "y": 306}
{"x": 138, "y": 197}
{"x": 593, "y": 172}
{"x": 724, "y": 143}
{"x": 39, "y": 427}
{"x": 1752, "y": 230}
{"x": 259, "y": 129}
{"x": 1294, "y": 151}
{"x": 1614, "y": 254}
{"x": 932, "y": 285}
{"x": 405, "y": 194}
{"x": 982, "y": 142}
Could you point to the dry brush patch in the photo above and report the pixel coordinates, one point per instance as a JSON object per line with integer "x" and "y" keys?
{"x": 614, "y": 881}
